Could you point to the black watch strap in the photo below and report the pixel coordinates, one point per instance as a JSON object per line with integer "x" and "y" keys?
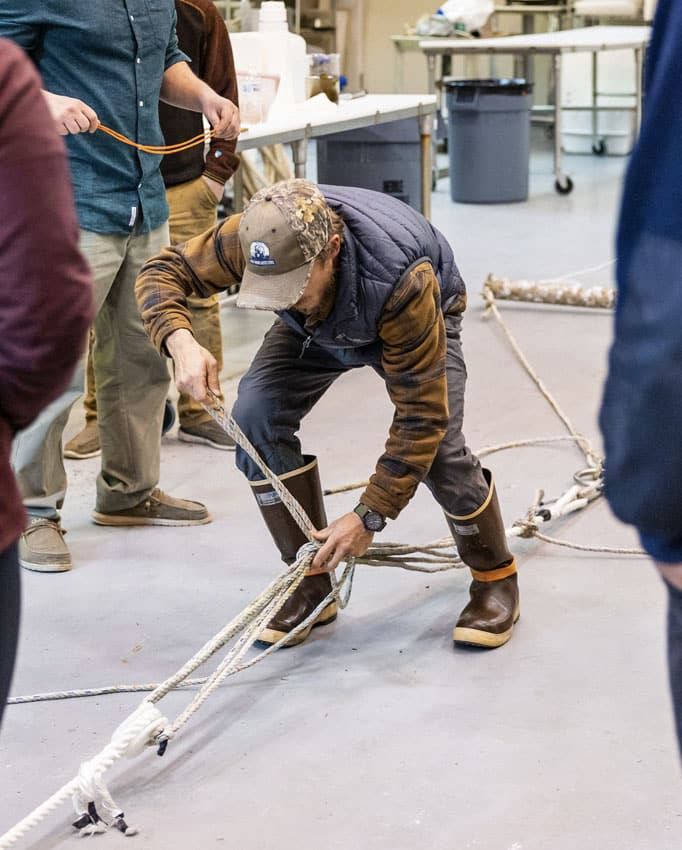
{"x": 371, "y": 519}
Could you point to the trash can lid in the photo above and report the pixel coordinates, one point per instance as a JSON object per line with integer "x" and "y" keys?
{"x": 490, "y": 86}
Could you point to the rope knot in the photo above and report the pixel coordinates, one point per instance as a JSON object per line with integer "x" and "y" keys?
{"x": 139, "y": 730}
{"x": 308, "y": 550}
{"x": 527, "y": 527}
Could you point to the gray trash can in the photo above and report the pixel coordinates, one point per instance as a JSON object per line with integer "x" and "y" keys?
{"x": 383, "y": 157}
{"x": 489, "y": 139}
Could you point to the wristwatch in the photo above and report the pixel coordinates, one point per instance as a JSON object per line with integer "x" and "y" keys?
{"x": 372, "y": 520}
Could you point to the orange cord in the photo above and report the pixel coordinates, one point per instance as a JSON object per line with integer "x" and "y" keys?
{"x": 160, "y": 149}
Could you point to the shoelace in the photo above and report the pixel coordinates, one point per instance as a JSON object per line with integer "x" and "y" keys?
{"x": 42, "y": 522}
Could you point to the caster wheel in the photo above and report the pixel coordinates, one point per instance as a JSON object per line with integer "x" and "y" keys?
{"x": 564, "y": 187}
{"x": 599, "y": 148}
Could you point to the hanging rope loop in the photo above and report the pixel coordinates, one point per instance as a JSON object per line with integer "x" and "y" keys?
{"x": 162, "y": 150}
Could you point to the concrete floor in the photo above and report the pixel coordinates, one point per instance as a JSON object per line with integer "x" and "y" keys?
{"x": 376, "y": 734}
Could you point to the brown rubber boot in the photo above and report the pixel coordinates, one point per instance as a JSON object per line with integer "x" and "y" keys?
{"x": 493, "y": 609}
{"x": 304, "y": 486}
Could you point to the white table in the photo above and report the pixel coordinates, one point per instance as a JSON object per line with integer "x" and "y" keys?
{"x": 562, "y": 13}
{"x": 363, "y": 111}
{"x": 592, "y": 40}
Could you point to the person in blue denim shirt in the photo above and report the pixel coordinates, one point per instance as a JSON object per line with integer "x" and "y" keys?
{"x": 641, "y": 415}
{"x": 109, "y": 62}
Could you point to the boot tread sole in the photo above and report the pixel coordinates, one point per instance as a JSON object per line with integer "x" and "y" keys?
{"x": 270, "y": 636}
{"x": 109, "y": 519}
{"x": 50, "y": 567}
{"x": 186, "y": 437}
{"x": 72, "y": 454}
{"x": 478, "y": 637}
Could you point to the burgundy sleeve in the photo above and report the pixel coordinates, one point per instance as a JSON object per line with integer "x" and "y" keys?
{"x": 45, "y": 285}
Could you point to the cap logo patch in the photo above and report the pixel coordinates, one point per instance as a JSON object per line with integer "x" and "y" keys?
{"x": 259, "y": 255}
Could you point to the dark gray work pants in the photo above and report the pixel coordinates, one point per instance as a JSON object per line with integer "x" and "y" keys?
{"x": 282, "y": 386}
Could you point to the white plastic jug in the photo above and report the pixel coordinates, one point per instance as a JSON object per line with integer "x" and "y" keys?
{"x": 275, "y": 55}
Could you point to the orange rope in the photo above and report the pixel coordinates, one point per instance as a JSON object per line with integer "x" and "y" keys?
{"x": 160, "y": 149}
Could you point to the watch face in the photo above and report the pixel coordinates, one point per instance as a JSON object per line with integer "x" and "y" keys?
{"x": 374, "y": 521}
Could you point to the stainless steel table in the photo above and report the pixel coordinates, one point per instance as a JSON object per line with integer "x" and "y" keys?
{"x": 350, "y": 115}
{"x": 592, "y": 40}
{"x": 562, "y": 13}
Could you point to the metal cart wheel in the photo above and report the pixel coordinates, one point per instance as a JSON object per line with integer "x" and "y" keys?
{"x": 564, "y": 186}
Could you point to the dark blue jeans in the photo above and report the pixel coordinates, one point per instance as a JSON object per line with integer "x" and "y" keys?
{"x": 285, "y": 382}
{"x": 9, "y": 618}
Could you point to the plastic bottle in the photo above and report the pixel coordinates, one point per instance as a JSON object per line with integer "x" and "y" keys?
{"x": 272, "y": 17}
{"x": 274, "y": 53}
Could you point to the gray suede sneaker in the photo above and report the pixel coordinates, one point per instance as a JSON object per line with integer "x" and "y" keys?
{"x": 157, "y": 509}
{"x": 42, "y": 547}
{"x": 207, "y": 434}
{"x": 85, "y": 444}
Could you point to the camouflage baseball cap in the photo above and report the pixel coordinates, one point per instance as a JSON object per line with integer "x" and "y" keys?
{"x": 282, "y": 230}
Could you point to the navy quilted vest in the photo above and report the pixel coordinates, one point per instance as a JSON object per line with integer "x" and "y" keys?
{"x": 384, "y": 238}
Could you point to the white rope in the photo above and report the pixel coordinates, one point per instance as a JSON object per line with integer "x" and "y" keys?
{"x": 87, "y": 785}
{"x": 590, "y": 270}
{"x": 591, "y": 456}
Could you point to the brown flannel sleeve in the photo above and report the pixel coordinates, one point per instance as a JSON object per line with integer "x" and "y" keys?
{"x": 209, "y": 263}
{"x": 219, "y": 73}
{"x": 414, "y": 344}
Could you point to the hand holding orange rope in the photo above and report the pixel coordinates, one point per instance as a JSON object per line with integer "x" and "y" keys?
{"x": 162, "y": 150}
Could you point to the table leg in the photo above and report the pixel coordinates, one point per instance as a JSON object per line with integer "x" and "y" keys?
{"x": 299, "y": 150}
{"x": 639, "y": 69}
{"x": 563, "y": 183}
{"x": 425, "y": 128}
{"x": 595, "y": 86}
{"x": 527, "y": 63}
{"x": 238, "y": 189}
{"x": 431, "y": 73}
{"x": 431, "y": 87}
{"x": 398, "y": 81}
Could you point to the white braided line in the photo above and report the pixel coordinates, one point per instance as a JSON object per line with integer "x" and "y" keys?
{"x": 90, "y": 772}
{"x": 591, "y": 456}
{"x": 227, "y": 423}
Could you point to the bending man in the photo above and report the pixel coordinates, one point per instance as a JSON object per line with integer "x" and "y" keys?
{"x": 356, "y": 279}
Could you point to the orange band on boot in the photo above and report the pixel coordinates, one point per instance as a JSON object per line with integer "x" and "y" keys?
{"x": 494, "y": 575}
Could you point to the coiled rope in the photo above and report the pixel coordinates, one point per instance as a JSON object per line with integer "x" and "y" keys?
{"x": 146, "y": 726}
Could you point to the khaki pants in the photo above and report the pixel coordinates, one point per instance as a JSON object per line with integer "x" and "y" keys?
{"x": 192, "y": 211}
{"x": 132, "y": 388}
